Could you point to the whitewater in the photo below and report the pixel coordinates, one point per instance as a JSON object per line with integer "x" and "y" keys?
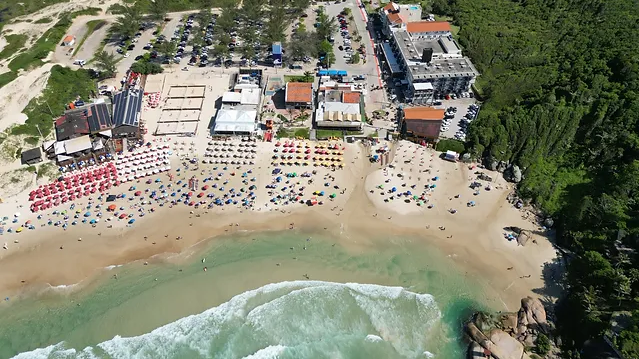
{"x": 299, "y": 319}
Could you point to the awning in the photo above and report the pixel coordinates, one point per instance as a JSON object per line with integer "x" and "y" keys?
{"x": 62, "y": 158}
{"x": 107, "y": 133}
{"x": 341, "y": 73}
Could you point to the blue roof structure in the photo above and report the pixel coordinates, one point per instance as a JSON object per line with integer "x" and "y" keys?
{"x": 322, "y": 72}
{"x": 277, "y": 48}
{"x": 99, "y": 117}
{"x": 126, "y": 108}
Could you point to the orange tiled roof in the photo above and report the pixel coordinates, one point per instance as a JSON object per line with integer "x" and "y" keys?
{"x": 424, "y": 113}
{"x": 391, "y": 6}
{"x": 351, "y": 97}
{"x": 68, "y": 38}
{"x": 427, "y": 26}
{"x": 394, "y": 18}
{"x": 299, "y": 92}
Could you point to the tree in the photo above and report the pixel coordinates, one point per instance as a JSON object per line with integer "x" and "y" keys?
{"x": 158, "y": 9}
{"x": 166, "y": 48}
{"x": 355, "y": 58}
{"x": 276, "y": 22}
{"x": 542, "y": 344}
{"x": 308, "y": 76}
{"x": 106, "y": 63}
{"x": 325, "y": 51}
{"x": 128, "y": 23}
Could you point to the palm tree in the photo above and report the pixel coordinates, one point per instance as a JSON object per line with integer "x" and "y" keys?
{"x": 106, "y": 63}
{"x": 128, "y": 23}
{"x": 158, "y": 10}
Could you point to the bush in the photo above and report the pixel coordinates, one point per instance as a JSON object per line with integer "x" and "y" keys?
{"x": 146, "y": 68}
{"x": 7, "y": 77}
{"x": 44, "y": 20}
{"x": 450, "y": 145}
{"x": 542, "y": 344}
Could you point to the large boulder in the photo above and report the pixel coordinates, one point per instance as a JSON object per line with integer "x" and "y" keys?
{"x": 513, "y": 174}
{"x": 490, "y": 163}
{"x": 509, "y": 321}
{"x": 501, "y": 166}
{"x": 504, "y": 346}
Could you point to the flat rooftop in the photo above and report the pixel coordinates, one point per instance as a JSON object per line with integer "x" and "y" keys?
{"x": 453, "y": 66}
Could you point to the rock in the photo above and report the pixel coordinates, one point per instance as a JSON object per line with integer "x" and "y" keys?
{"x": 548, "y": 222}
{"x": 504, "y": 346}
{"x": 484, "y": 321}
{"x": 513, "y": 174}
{"x": 465, "y": 157}
{"x": 509, "y": 321}
{"x": 477, "y": 335}
{"x": 475, "y": 351}
{"x": 536, "y": 308}
{"x": 501, "y": 166}
{"x": 529, "y": 340}
{"x": 490, "y": 163}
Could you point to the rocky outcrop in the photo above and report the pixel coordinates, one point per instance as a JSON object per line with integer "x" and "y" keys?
{"x": 501, "y": 166}
{"x": 513, "y": 174}
{"x": 506, "y": 335}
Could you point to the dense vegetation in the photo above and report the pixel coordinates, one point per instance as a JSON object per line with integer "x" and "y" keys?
{"x": 560, "y": 79}
{"x": 63, "y": 87}
{"x": 12, "y": 9}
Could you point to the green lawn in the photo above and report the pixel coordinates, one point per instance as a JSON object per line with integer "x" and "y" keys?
{"x": 92, "y": 26}
{"x": 454, "y": 29}
{"x": 324, "y": 134}
{"x": 44, "y": 20}
{"x": 14, "y": 44}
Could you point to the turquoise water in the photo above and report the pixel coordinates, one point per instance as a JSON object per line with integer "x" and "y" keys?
{"x": 254, "y": 301}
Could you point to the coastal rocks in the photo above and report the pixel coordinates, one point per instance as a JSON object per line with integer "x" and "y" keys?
{"x": 502, "y": 166}
{"x": 532, "y": 314}
{"x": 507, "y": 335}
{"x": 491, "y": 163}
{"x": 505, "y": 346}
{"x": 513, "y": 174}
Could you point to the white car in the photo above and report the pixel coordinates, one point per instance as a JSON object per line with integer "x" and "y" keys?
{"x": 126, "y": 54}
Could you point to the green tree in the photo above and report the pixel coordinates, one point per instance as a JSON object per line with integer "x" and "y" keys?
{"x": 276, "y": 22}
{"x": 355, "y": 58}
{"x": 106, "y": 63}
{"x": 128, "y": 23}
{"x": 158, "y": 9}
{"x": 166, "y": 48}
{"x": 542, "y": 344}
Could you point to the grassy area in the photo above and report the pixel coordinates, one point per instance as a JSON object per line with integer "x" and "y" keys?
{"x": 48, "y": 170}
{"x": 64, "y": 86}
{"x": 7, "y": 77}
{"x": 15, "y": 43}
{"x": 324, "y": 134}
{"x": 44, "y": 20}
{"x": 454, "y": 29}
{"x": 450, "y": 145}
{"x": 303, "y": 133}
{"x": 88, "y": 11}
{"x": 298, "y": 78}
{"x": 92, "y": 26}
{"x": 40, "y": 50}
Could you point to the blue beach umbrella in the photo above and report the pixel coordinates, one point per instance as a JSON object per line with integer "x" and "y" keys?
{"x": 132, "y": 220}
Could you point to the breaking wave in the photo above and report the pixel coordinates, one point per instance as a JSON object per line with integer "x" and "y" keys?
{"x": 301, "y": 319}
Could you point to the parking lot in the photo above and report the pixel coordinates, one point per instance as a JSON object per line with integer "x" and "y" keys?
{"x": 454, "y": 123}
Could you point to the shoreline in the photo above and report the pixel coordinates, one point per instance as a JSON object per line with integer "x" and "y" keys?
{"x": 471, "y": 238}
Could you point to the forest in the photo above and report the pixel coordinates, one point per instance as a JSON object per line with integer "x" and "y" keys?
{"x": 560, "y": 82}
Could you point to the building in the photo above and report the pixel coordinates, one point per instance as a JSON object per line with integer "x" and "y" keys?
{"x": 422, "y": 58}
{"x": 339, "y": 106}
{"x": 127, "y": 105}
{"x": 396, "y": 14}
{"x": 72, "y": 124}
{"x": 421, "y": 122}
{"x": 299, "y": 95}
{"x": 99, "y": 118}
{"x": 68, "y": 40}
{"x": 31, "y": 156}
{"x": 238, "y": 114}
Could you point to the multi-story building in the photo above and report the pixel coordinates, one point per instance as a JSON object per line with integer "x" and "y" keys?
{"x": 423, "y": 57}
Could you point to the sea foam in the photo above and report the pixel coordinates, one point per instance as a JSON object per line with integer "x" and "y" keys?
{"x": 299, "y": 319}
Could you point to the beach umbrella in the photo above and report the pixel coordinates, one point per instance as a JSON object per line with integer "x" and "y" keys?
{"x": 87, "y": 214}
{"x": 333, "y": 195}
{"x": 19, "y": 229}
{"x": 132, "y": 220}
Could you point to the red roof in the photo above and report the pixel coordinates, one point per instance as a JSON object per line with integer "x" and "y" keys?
{"x": 391, "y": 6}
{"x": 427, "y": 26}
{"x": 395, "y": 18}
{"x": 424, "y": 113}
{"x": 68, "y": 38}
{"x": 351, "y": 97}
{"x": 299, "y": 92}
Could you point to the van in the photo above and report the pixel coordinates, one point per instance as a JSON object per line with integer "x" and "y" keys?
{"x": 79, "y": 62}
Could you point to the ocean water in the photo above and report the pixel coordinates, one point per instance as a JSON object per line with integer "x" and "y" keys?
{"x": 389, "y": 299}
